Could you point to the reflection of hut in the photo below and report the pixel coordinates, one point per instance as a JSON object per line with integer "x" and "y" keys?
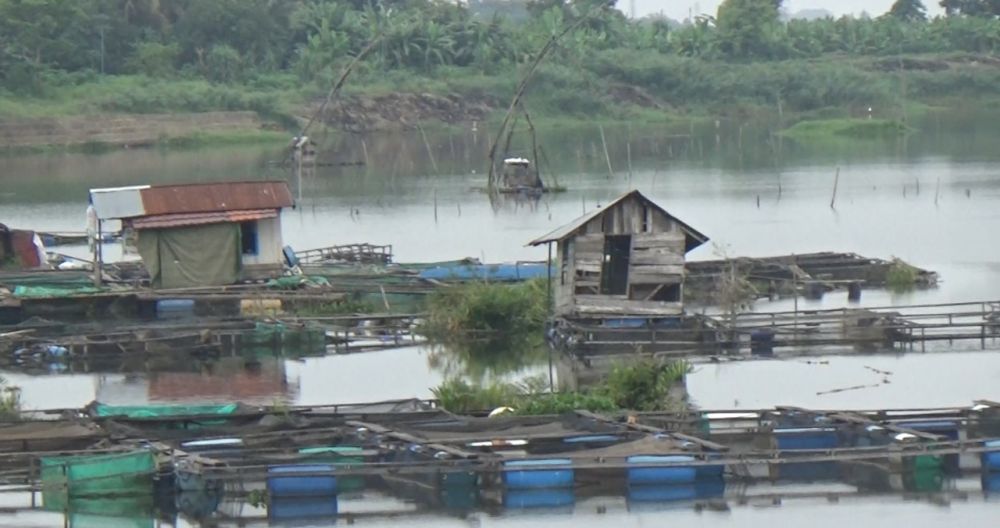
{"x": 518, "y": 175}
{"x": 201, "y": 234}
{"x": 624, "y": 259}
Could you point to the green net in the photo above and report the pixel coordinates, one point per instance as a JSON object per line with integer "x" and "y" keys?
{"x": 159, "y": 411}
{"x": 81, "y": 475}
{"x": 54, "y": 290}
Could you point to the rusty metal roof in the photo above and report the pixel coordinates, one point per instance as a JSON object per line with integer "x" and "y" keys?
{"x": 695, "y": 238}
{"x": 192, "y": 219}
{"x": 142, "y": 201}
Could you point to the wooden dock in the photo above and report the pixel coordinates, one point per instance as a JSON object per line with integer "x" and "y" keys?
{"x": 791, "y": 332}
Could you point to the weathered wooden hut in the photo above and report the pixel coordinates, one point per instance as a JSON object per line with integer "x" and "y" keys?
{"x": 626, "y": 258}
{"x": 207, "y": 234}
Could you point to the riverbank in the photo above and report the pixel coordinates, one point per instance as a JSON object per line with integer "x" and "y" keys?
{"x": 636, "y": 88}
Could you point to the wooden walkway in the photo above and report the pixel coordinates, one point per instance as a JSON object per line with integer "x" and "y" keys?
{"x": 804, "y": 331}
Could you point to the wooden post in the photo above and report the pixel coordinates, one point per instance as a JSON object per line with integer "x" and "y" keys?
{"x": 836, "y": 180}
{"x": 548, "y": 304}
{"x": 98, "y": 255}
{"x": 607, "y": 156}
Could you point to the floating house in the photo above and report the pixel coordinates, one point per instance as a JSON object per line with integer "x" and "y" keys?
{"x": 208, "y": 234}
{"x": 626, "y": 258}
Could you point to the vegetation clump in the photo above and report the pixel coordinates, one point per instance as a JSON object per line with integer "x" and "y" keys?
{"x": 901, "y": 276}
{"x": 274, "y": 56}
{"x": 487, "y": 311}
{"x": 642, "y": 386}
{"x": 854, "y": 128}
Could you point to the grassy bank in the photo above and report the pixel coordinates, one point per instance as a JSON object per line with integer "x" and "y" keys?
{"x": 825, "y": 97}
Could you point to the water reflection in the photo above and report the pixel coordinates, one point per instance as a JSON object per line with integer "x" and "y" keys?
{"x": 961, "y": 501}
{"x": 480, "y": 360}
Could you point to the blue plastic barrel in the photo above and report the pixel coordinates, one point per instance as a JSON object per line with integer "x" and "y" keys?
{"x": 174, "y": 308}
{"x": 991, "y": 457}
{"x": 527, "y": 474}
{"x": 663, "y": 474}
{"x": 294, "y": 481}
{"x": 539, "y": 498}
{"x": 806, "y": 438}
{"x": 290, "y": 509}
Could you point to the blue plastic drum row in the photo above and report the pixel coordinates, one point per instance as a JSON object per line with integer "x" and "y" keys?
{"x": 301, "y": 480}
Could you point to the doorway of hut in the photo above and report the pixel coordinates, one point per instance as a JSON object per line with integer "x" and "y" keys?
{"x": 614, "y": 269}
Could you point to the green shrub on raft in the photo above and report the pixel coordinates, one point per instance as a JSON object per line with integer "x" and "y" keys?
{"x": 642, "y": 386}
{"x": 901, "y": 276}
{"x": 481, "y": 309}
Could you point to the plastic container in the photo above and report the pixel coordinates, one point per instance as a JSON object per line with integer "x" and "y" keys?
{"x": 529, "y": 474}
{"x": 662, "y": 474}
{"x": 806, "y": 438}
{"x": 295, "y": 481}
{"x": 591, "y": 439}
{"x": 991, "y": 458}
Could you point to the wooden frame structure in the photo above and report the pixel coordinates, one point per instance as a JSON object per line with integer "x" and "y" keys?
{"x": 626, "y": 258}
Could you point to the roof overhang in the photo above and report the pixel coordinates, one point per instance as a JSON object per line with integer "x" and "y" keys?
{"x": 693, "y": 237}
{"x": 194, "y": 219}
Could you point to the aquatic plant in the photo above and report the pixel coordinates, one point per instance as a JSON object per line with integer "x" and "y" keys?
{"x": 847, "y": 128}
{"x": 645, "y": 385}
{"x": 901, "y": 276}
{"x": 641, "y": 386}
{"x": 483, "y": 310}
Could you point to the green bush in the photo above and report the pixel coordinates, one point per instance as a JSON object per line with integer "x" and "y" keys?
{"x": 643, "y": 386}
{"x": 901, "y": 276}
{"x": 484, "y": 310}
{"x": 154, "y": 59}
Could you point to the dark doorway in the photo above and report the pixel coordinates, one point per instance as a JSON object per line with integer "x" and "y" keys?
{"x": 614, "y": 270}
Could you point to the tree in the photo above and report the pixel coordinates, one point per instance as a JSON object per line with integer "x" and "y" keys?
{"x": 971, "y": 7}
{"x": 908, "y": 10}
{"x": 749, "y": 28}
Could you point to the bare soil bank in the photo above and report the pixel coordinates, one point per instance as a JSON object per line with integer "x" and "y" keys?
{"x": 122, "y": 129}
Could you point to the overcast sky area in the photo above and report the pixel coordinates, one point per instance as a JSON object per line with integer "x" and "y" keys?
{"x": 680, "y": 9}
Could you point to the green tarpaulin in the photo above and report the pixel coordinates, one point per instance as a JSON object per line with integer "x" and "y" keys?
{"x": 183, "y": 257}
{"x": 158, "y": 411}
{"x": 50, "y": 291}
{"x": 91, "y": 475}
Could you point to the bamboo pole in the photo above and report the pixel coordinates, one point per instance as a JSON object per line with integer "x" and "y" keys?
{"x": 836, "y": 180}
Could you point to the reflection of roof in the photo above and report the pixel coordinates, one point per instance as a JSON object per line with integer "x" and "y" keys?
{"x": 516, "y": 161}
{"x": 695, "y": 238}
{"x": 192, "y": 219}
{"x": 146, "y": 200}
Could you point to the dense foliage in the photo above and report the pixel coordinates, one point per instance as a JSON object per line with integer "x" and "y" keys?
{"x": 641, "y": 386}
{"x": 743, "y": 53}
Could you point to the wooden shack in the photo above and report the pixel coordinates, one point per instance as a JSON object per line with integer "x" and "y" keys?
{"x": 626, "y": 258}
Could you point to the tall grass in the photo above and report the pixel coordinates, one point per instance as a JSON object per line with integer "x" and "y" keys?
{"x": 482, "y": 310}
{"x": 642, "y": 386}
{"x": 10, "y": 401}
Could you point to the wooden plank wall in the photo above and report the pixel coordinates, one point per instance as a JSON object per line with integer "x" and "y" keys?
{"x": 656, "y": 260}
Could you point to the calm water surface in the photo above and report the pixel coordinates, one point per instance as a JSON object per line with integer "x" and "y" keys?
{"x": 932, "y": 199}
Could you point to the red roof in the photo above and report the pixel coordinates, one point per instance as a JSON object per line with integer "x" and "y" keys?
{"x": 215, "y": 197}
{"x": 192, "y": 219}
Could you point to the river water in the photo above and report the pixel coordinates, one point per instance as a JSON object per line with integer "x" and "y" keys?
{"x": 932, "y": 199}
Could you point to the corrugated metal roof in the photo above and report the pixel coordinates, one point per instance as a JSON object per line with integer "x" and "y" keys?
{"x": 192, "y": 219}
{"x": 132, "y": 202}
{"x": 571, "y": 228}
